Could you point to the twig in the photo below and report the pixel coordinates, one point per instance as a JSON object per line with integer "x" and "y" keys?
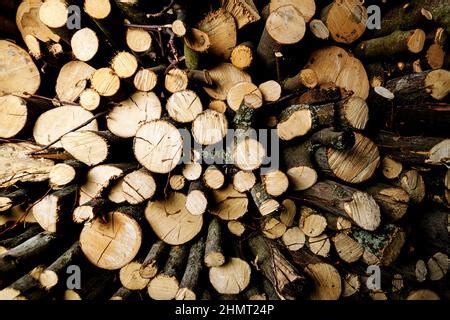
{"x": 163, "y": 10}
{"x": 149, "y": 27}
{"x": 72, "y": 130}
{"x": 27, "y": 95}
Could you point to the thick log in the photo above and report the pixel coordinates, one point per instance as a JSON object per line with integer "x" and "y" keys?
{"x": 344, "y": 201}
{"x": 152, "y": 262}
{"x": 113, "y": 244}
{"x": 214, "y": 254}
{"x": 35, "y": 250}
{"x": 413, "y": 150}
{"x": 285, "y": 278}
{"x": 166, "y": 284}
{"x": 189, "y": 284}
{"x": 171, "y": 221}
{"x": 383, "y": 246}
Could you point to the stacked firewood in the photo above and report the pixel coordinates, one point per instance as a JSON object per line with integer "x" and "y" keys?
{"x": 338, "y": 163}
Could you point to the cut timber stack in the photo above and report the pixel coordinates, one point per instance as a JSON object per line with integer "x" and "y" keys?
{"x": 224, "y": 150}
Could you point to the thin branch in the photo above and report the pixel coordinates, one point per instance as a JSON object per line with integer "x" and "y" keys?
{"x": 72, "y": 130}
{"x": 27, "y": 95}
{"x": 163, "y": 10}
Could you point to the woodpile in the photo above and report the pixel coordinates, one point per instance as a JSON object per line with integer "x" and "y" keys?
{"x": 235, "y": 149}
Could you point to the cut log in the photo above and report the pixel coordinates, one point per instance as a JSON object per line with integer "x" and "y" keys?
{"x": 395, "y": 43}
{"x": 353, "y": 112}
{"x": 243, "y": 11}
{"x": 213, "y": 178}
{"x": 126, "y": 117}
{"x": 9, "y": 243}
{"x": 124, "y": 64}
{"x": 298, "y": 120}
{"x": 320, "y": 245}
{"x": 131, "y": 278}
{"x": 229, "y": 204}
{"x": 244, "y": 181}
{"x": 355, "y": 165}
{"x": 90, "y": 99}
{"x": 275, "y": 182}
{"x": 152, "y": 262}
{"x": 393, "y": 201}
{"x": 166, "y": 284}
{"x": 145, "y": 80}
{"x": 214, "y": 256}
{"x": 391, "y": 169}
{"x": 344, "y": 201}
{"x": 57, "y": 122}
{"x": 225, "y": 76}
{"x": 346, "y": 20}
{"x": 319, "y": 29}
{"x": 335, "y": 65}
{"x": 232, "y": 277}
{"x": 51, "y": 211}
{"x": 190, "y": 281}
{"x": 420, "y": 86}
{"x": 272, "y": 228}
{"x": 106, "y": 82}
{"x": 165, "y": 144}
{"x": 138, "y": 40}
{"x": 90, "y": 210}
{"x": 311, "y": 222}
{"x": 265, "y": 203}
{"x": 284, "y": 26}
{"x": 85, "y": 44}
{"x": 270, "y": 90}
{"x": 192, "y": 171}
{"x": 90, "y": 147}
{"x": 236, "y": 227}
{"x": 220, "y": 27}
{"x": 381, "y": 247}
{"x": 113, "y": 244}
{"x": 209, "y": 127}
{"x": 53, "y": 275}
{"x": 285, "y": 278}
{"x": 184, "y": 106}
{"x": 32, "y": 251}
{"x": 177, "y": 182}
{"x": 297, "y": 158}
{"x": 288, "y": 212}
{"x": 242, "y": 55}
{"x": 176, "y": 80}
{"x": 18, "y": 73}
{"x": 412, "y": 182}
{"x": 348, "y": 249}
{"x": 171, "y": 221}
{"x": 294, "y": 239}
{"x": 197, "y": 198}
{"x": 99, "y": 179}
{"x": 236, "y": 94}
{"x": 413, "y": 150}
{"x": 138, "y": 186}
{"x": 72, "y": 80}
{"x": 306, "y": 78}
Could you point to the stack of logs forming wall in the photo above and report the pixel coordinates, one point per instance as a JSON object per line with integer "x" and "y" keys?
{"x": 99, "y": 97}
